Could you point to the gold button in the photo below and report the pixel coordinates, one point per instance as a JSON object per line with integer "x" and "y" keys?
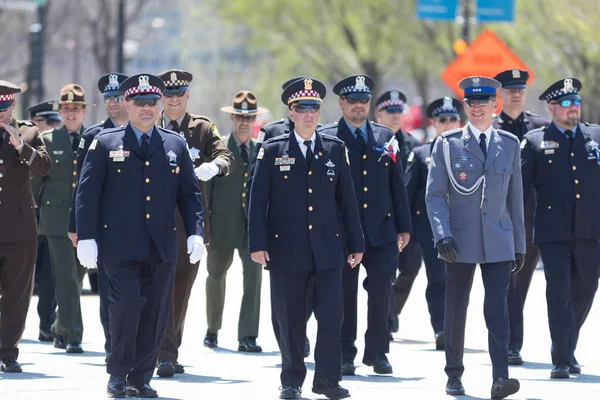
{"x": 147, "y": 180}
{"x": 578, "y": 195}
{"x": 74, "y": 161}
{"x": 310, "y": 208}
{"x": 577, "y": 181}
{"x": 574, "y": 168}
{"x": 105, "y": 226}
{"x": 47, "y": 202}
{"x": 337, "y": 234}
{"x": 57, "y": 161}
{"x": 364, "y": 156}
{"x": 285, "y": 177}
{"x": 148, "y": 198}
{"x": 389, "y": 214}
{"x": 147, "y": 163}
{"x": 309, "y": 227}
{"x": 310, "y": 172}
{"x": 246, "y": 175}
{"x": 572, "y": 154}
{"x": 172, "y": 171}
{"x": 309, "y": 190}
{"x": 276, "y": 236}
{"x": 386, "y": 164}
{"x": 244, "y": 184}
{"x": 243, "y": 194}
{"x": 147, "y": 216}
{"x": 550, "y": 162}
{"x": 176, "y": 228}
{"x": 365, "y": 205}
{"x": 118, "y": 171}
{"x": 74, "y": 185}
{"x": 366, "y": 189}
{"x": 364, "y": 172}
{"x": 418, "y": 212}
{"x": 549, "y": 207}
{"x": 331, "y": 179}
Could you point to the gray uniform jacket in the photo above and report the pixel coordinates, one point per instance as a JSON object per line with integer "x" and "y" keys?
{"x": 480, "y": 203}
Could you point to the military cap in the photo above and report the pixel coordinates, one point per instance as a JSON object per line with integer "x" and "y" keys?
{"x": 7, "y": 94}
{"x": 142, "y": 86}
{"x": 244, "y": 103}
{"x": 176, "y": 80}
{"x": 304, "y": 91}
{"x": 355, "y": 86}
{"x": 391, "y": 98}
{"x": 109, "y": 84}
{"x": 73, "y": 94}
{"x": 479, "y": 87}
{"x": 287, "y": 83}
{"x": 46, "y": 109}
{"x": 513, "y": 78}
{"x": 564, "y": 89}
{"x": 444, "y": 107}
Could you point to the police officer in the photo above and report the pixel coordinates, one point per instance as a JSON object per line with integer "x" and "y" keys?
{"x": 115, "y": 108}
{"x": 54, "y": 202}
{"x": 514, "y": 119}
{"x": 211, "y": 158}
{"x": 45, "y": 116}
{"x": 561, "y": 162}
{"x": 21, "y": 151}
{"x": 136, "y": 235}
{"x": 301, "y": 201}
{"x": 445, "y": 113}
{"x": 379, "y": 187}
{"x": 475, "y": 207}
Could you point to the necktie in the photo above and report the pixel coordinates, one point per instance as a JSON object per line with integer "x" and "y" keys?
{"x": 76, "y": 140}
{"x": 244, "y": 154}
{"x": 145, "y": 144}
{"x": 1, "y": 139}
{"x": 309, "y": 152}
{"x": 174, "y": 126}
{"x": 571, "y": 135}
{"x": 360, "y": 139}
{"x": 482, "y": 144}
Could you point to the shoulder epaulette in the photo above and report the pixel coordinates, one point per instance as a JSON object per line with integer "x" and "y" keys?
{"x": 452, "y": 132}
{"x": 381, "y": 126}
{"x": 328, "y": 126}
{"x": 508, "y": 134}
{"x": 285, "y": 136}
{"x": 529, "y": 113}
{"x": 278, "y": 122}
{"x": 332, "y": 138}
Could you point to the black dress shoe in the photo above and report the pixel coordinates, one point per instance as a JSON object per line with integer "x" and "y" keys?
{"x": 379, "y": 362}
{"x": 514, "y": 357}
{"x": 454, "y": 387}
{"x": 74, "y": 348}
{"x": 165, "y": 369}
{"x": 348, "y": 368}
{"x": 560, "y": 372}
{"x": 59, "y": 343}
{"x": 248, "y": 345}
{"x": 439, "y": 340}
{"x": 574, "y": 368}
{"x": 45, "y": 336}
{"x": 179, "y": 368}
{"x": 329, "y": 389}
{"x": 504, "y": 387}
{"x": 290, "y": 392}
{"x": 10, "y": 364}
{"x": 143, "y": 391}
{"x": 116, "y": 387}
{"x": 210, "y": 340}
{"x": 306, "y": 347}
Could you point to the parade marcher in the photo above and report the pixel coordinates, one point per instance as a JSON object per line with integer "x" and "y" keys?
{"x": 21, "y": 151}
{"x": 303, "y": 219}
{"x": 117, "y": 116}
{"x": 445, "y": 113}
{"x": 375, "y": 163}
{"x": 56, "y": 192}
{"x": 136, "y": 234}
{"x": 514, "y": 119}
{"x": 211, "y": 158}
{"x": 562, "y": 163}
{"x": 474, "y": 203}
{"x": 45, "y": 116}
{"x": 227, "y": 202}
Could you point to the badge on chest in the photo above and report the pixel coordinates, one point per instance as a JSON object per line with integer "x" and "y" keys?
{"x": 285, "y": 162}
{"x": 118, "y": 155}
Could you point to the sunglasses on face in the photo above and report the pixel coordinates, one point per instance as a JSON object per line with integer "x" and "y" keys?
{"x": 113, "y": 99}
{"x": 568, "y": 103}
{"x": 443, "y": 120}
{"x": 394, "y": 109}
{"x": 352, "y": 100}
{"x": 145, "y": 102}
{"x": 244, "y": 118}
{"x": 306, "y": 109}
{"x": 174, "y": 94}
{"x": 476, "y": 102}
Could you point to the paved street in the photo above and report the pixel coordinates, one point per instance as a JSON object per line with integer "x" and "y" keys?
{"x": 225, "y": 373}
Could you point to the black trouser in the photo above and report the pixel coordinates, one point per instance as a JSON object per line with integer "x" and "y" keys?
{"x": 309, "y": 311}
{"x": 46, "y": 307}
{"x": 103, "y": 286}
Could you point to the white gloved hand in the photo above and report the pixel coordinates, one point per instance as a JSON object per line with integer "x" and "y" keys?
{"x": 206, "y": 171}
{"x": 195, "y": 248}
{"x": 87, "y": 252}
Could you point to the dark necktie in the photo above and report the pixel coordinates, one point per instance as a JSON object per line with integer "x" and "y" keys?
{"x": 360, "y": 139}
{"x": 174, "y": 126}
{"x": 482, "y": 144}
{"x": 76, "y": 140}
{"x": 309, "y": 152}
{"x": 244, "y": 154}
{"x": 145, "y": 144}
{"x": 571, "y": 135}
{"x": 1, "y": 139}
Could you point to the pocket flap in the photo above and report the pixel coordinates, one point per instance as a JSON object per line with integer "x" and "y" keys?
{"x": 506, "y": 223}
{"x": 53, "y": 201}
{"x": 331, "y": 231}
{"x": 463, "y": 165}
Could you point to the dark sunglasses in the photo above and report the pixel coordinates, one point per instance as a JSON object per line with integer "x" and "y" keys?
{"x": 174, "y": 94}
{"x": 394, "y": 109}
{"x": 352, "y": 100}
{"x": 305, "y": 109}
{"x": 475, "y": 102}
{"x": 568, "y": 103}
{"x": 443, "y": 120}
{"x": 145, "y": 102}
{"x": 244, "y": 118}
{"x": 115, "y": 99}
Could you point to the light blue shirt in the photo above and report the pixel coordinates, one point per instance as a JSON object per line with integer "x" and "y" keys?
{"x": 363, "y": 130}
{"x": 563, "y": 130}
{"x": 138, "y": 135}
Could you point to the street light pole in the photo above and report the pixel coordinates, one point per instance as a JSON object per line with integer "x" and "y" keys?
{"x": 121, "y": 37}
{"x": 466, "y": 28}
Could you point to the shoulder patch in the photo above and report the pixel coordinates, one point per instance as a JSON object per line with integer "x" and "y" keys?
{"x": 195, "y": 117}
{"x": 215, "y": 131}
{"x": 261, "y": 136}
{"x": 411, "y": 156}
{"x": 523, "y": 143}
{"x": 452, "y": 132}
{"x": 261, "y": 154}
{"x": 93, "y": 145}
{"x": 81, "y": 144}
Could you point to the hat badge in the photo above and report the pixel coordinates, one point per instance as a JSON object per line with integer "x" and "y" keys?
{"x": 568, "y": 85}
{"x": 360, "y": 82}
{"x": 54, "y": 106}
{"x": 395, "y": 96}
{"x": 244, "y": 105}
{"x": 113, "y": 80}
{"x": 308, "y": 84}
{"x": 447, "y": 103}
{"x": 475, "y": 81}
{"x": 173, "y": 76}
{"x": 70, "y": 96}
{"x": 516, "y": 73}
{"x": 144, "y": 82}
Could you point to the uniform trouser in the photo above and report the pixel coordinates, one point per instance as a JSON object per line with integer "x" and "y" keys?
{"x": 290, "y": 295}
{"x": 380, "y": 264}
{"x": 409, "y": 265}
{"x": 17, "y": 262}
{"x": 68, "y": 280}
{"x": 218, "y": 262}
{"x": 572, "y": 270}
{"x": 46, "y": 307}
{"x": 104, "y": 304}
{"x": 185, "y": 276}
{"x": 274, "y": 321}
{"x": 496, "y": 279}
{"x": 140, "y": 293}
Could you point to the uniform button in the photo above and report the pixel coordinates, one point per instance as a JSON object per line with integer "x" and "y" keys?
{"x": 574, "y": 167}
{"x": 48, "y": 202}
{"x": 550, "y": 162}
{"x": 310, "y": 172}
{"x": 310, "y": 227}
{"x": 418, "y": 212}
{"x": 337, "y": 234}
{"x": 147, "y": 180}
{"x": 285, "y": 177}
{"x": 172, "y": 171}
{"x": 246, "y": 175}
{"x": 147, "y": 216}
{"x": 330, "y": 179}
{"x": 365, "y": 205}
{"x": 549, "y": 207}
{"x": 386, "y": 164}
{"x": 276, "y": 235}
{"x": 578, "y": 195}
{"x": 366, "y": 189}
{"x": 572, "y": 154}
{"x": 118, "y": 171}
{"x": 147, "y": 163}
{"x": 105, "y": 226}
{"x": 577, "y": 181}
{"x": 365, "y": 172}
{"x": 148, "y": 198}
{"x": 389, "y": 214}
{"x": 244, "y": 184}
{"x": 1, "y": 161}
{"x": 364, "y": 156}
{"x": 310, "y": 208}
{"x": 74, "y": 185}
{"x": 55, "y": 161}
{"x": 1, "y": 175}
{"x": 309, "y": 190}
{"x": 74, "y": 161}
{"x": 175, "y": 228}
{"x": 243, "y": 194}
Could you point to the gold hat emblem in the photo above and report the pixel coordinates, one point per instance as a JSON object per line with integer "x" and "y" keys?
{"x": 516, "y": 73}
{"x": 308, "y": 84}
{"x": 70, "y": 96}
{"x": 55, "y": 107}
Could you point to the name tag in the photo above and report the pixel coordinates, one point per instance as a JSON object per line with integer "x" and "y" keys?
{"x": 58, "y": 152}
{"x": 549, "y": 144}
{"x": 285, "y": 160}
{"x": 549, "y": 151}
{"x": 285, "y": 168}
{"x": 118, "y": 155}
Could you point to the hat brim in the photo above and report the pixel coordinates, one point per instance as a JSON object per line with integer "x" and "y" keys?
{"x": 306, "y": 102}
{"x": 257, "y": 111}
{"x": 570, "y": 96}
{"x": 446, "y": 114}
{"x": 358, "y": 95}
{"x": 515, "y": 86}
{"x": 480, "y": 97}
{"x": 177, "y": 89}
{"x": 5, "y": 105}
{"x": 111, "y": 93}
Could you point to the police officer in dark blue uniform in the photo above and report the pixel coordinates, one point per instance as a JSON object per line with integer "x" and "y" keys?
{"x": 379, "y": 186}
{"x": 303, "y": 220}
{"x": 117, "y": 116}
{"x": 562, "y": 163}
{"x": 514, "y": 119}
{"x": 135, "y": 234}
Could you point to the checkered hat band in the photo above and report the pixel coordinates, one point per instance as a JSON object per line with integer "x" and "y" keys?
{"x": 110, "y": 88}
{"x": 388, "y": 103}
{"x": 560, "y": 92}
{"x": 440, "y": 110}
{"x": 304, "y": 95}
{"x": 137, "y": 90}
{"x": 7, "y": 97}
{"x": 354, "y": 89}
{"x": 179, "y": 82}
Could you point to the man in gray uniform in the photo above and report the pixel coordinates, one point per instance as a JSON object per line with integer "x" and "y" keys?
{"x": 475, "y": 206}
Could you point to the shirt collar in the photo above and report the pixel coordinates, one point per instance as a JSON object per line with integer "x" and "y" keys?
{"x": 301, "y": 140}
{"x": 363, "y": 129}
{"x": 477, "y": 132}
{"x": 167, "y": 121}
{"x": 563, "y": 130}
{"x": 138, "y": 133}
{"x": 238, "y": 143}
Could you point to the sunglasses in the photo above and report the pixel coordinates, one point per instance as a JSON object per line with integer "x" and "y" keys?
{"x": 394, "y": 109}
{"x": 568, "y": 103}
{"x": 49, "y": 122}
{"x": 306, "y": 109}
{"x": 443, "y": 120}
{"x": 113, "y": 99}
{"x": 352, "y": 100}
{"x": 244, "y": 118}
{"x": 174, "y": 94}
{"x": 480, "y": 102}
{"x": 145, "y": 102}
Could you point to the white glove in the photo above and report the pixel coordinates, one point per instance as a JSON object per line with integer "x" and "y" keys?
{"x": 206, "y": 171}
{"x": 195, "y": 248}
{"x": 87, "y": 252}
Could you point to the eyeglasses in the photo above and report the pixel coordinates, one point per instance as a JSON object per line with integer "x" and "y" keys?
{"x": 145, "y": 102}
{"x": 443, "y": 120}
{"x": 113, "y": 99}
{"x": 306, "y": 109}
{"x": 352, "y": 100}
{"x": 174, "y": 94}
{"x": 568, "y": 103}
{"x": 394, "y": 109}
{"x": 480, "y": 102}
{"x": 244, "y": 118}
